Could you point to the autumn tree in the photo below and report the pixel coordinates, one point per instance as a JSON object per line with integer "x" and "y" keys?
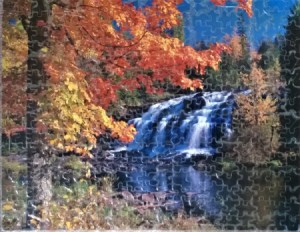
{"x": 256, "y": 106}
{"x": 255, "y": 119}
{"x": 13, "y": 76}
{"x": 80, "y": 53}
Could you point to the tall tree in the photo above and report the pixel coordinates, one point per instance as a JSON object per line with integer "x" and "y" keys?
{"x": 241, "y": 25}
{"x": 244, "y": 61}
{"x": 39, "y": 190}
{"x": 269, "y": 52}
{"x": 290, "y": 66}
{"x": 17, "y": 49}
{"x": 13, "y": 77}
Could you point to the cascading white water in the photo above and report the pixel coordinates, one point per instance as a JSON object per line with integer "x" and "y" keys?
{"x": 190, "y": 124}
{"x": 199, "y": 133}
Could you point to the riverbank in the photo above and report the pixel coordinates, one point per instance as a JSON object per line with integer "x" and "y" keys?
{"x": 88, "y": 203}
{"x": 156, "y": 195}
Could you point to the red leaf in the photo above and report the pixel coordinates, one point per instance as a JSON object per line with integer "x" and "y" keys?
{"x": 41, "y": 23}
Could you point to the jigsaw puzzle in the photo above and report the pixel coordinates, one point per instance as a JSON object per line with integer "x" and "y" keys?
{"x": 150, "y": 114}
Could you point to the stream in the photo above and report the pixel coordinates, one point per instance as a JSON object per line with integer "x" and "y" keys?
{"x": 194, "y": 125}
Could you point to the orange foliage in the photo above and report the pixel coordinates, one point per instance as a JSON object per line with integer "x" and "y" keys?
{"x": 219, "y": 2}
{"x": 13, "y": 78}
{"x": 100, "y": 47}
{"x": 102, "y": 91}
{"x": 162, "y": 14}
{"x": 246, "y": 5}
{"x": 255, "y": 56}
{"x": 236, "y": 46}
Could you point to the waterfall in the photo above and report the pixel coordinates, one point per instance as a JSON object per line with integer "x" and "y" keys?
{"x": 191, "y": 125}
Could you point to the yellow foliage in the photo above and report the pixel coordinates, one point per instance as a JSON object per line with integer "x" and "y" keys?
{"x": 68, "y": 225}
{"x": 14, "y": 52}
{"x": 74, "y": 103}
{"x": 14, "y": 57}
{"x": 75, "y": 120}
{"x": 8, "y": 206}
{"x": 71, "y": 86}
{"x": 254, "y": 108}
{"x": 236, "y": 46}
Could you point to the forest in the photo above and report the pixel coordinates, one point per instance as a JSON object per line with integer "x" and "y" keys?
{"x": 101, "y": 97}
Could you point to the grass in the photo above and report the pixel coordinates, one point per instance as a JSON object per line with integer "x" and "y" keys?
{"x": 12, "y": 166}
{"x": 83, "y": 205}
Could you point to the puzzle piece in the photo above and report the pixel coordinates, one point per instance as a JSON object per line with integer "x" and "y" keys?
{"x": 135, "y": 114}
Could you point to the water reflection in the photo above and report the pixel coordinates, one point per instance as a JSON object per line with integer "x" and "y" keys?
{"x": 245, "y": 198}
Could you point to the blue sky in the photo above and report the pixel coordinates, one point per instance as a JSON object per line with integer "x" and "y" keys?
{"x": 204, "y": 21}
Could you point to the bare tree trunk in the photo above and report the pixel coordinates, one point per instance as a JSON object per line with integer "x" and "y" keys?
{"x": 39, "y": 188}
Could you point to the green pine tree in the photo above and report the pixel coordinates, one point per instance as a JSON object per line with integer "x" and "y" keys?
{"x": 290, "y": 65}
{"x": 245, "y": 61}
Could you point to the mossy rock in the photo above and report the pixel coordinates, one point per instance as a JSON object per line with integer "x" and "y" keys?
{"x": 275, "y": 163}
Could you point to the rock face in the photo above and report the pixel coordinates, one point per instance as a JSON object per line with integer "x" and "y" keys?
{"x": 162, "y": 200}
{"x": 127, "y": 113}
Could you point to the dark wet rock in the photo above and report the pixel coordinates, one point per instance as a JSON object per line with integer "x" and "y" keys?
{"x": 149, "y": 198}
{"x": 126, "y": 195}
{"x": 160, "y": 196}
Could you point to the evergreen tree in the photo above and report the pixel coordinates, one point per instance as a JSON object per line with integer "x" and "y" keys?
{"x": 241, "y": 29}
{"x": 201, "y": 45}
{"x": 244, "y": 62}
{"x": 278, "y": 40}
{"x": 290, "y": 65}
{"x": 269, "y": 52}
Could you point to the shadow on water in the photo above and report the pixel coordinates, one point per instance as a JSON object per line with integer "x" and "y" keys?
{"x": 243, "y": 198}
